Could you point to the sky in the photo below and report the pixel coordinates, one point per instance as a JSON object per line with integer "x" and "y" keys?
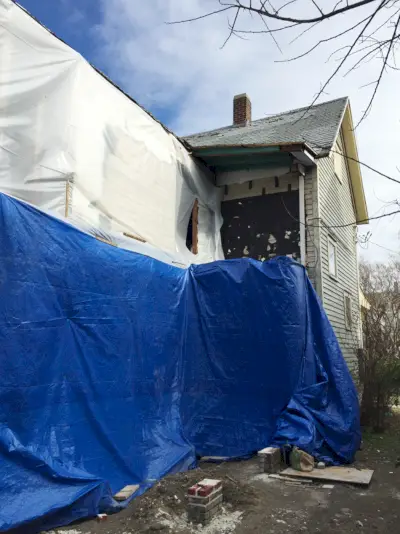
{"x": 186, "y": 78}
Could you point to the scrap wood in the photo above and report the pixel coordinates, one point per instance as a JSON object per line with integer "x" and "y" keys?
{"x": 215, "y": 459}
{"x": 349, "y": 475}
{"x": 290, "y": 479}
{"x": 126, "y": 492}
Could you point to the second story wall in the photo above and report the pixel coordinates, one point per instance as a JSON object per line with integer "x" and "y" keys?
{"x": 261, "y": 214}
{"x": 338, "y": 250}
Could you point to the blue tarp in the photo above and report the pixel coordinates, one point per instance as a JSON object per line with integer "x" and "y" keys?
{"x": 117, "y": 369}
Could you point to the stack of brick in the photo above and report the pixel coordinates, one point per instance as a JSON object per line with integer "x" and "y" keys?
{"x": 205, "y": 500}
{"x": 270, "y": 460}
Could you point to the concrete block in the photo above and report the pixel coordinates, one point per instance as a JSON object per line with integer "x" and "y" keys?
{"x": 270, "y": 460}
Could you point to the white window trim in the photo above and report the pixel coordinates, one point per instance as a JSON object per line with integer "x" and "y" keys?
{"x": 347, "y": 295}
{"x": 337, "y": 162}
{"x": 331, "y": 243}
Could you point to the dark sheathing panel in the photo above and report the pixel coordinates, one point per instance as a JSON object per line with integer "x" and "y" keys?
{"x": 261, "y": 227}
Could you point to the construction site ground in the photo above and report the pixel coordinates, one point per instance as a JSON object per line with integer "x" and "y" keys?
{"x": 255, "y": 503}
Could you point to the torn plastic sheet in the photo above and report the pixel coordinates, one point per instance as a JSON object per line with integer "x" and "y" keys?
{"x": 73, "y": 143}
{"x": 118, "y": 368}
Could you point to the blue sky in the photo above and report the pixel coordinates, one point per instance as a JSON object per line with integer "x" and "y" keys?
{"x": 77, "y": 22}
{"x": 182, "y": 75}
{"x": 68, "y": 21}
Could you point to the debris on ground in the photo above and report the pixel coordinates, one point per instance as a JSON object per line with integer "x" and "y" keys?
{"x": 256, "y": 503}
{"x": 126, "y": 492}
{"x": 348, "y": 475}
{"x": 300, "y": 460}
{"x": 270, "y": 460}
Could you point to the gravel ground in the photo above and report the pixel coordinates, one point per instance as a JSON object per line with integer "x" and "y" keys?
{"x": 254, "y": 503}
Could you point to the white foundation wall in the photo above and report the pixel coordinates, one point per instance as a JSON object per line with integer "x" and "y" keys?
{"x": 74, "y": 144}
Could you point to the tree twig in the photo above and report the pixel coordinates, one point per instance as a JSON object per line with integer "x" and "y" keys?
{"x": 367, "y": 110}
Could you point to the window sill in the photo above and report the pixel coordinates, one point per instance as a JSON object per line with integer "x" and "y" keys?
{"x": 332, "y": 277}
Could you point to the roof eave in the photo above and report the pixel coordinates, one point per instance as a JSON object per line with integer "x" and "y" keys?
{"x": 354, "y": 167}
{"x": 299, "y": 150}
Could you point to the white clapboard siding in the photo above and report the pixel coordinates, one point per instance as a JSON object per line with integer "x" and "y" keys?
{"x": 336, "y": 208}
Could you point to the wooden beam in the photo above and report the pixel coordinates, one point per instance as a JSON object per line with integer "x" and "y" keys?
{"x": 132, "y": 236}
{"x": 195, "y": 227}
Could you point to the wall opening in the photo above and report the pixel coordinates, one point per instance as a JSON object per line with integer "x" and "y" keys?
{"x": 192, "y": 234}
{"x": 261, "y": 227}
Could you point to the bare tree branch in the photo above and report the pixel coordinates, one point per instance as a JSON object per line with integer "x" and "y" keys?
{"x": 323, "y": 41}
{"x": 232, "y": 28}
{"x": 380, "y": 74}
{"x": 317, "y": 6}
{"x": 286, "y": 5}
{"x": 378, "y": 38}
{"x": 272, "y": 35}
{"x": 265, "y": 13}
{"x": 342, "y": 62}
{"x": 204, "y": 16}
{"x": 273, "y": 15}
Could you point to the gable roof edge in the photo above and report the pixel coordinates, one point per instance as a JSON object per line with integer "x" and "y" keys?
{"x": 353, "y": 162}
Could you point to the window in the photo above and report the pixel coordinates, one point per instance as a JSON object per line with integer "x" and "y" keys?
{"x": 337, "y": 164}
{"x": 348, "y": 316}
{"x": 332, "y": 258}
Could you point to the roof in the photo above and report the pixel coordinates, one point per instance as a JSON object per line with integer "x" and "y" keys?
{"x": 317, "y": 126}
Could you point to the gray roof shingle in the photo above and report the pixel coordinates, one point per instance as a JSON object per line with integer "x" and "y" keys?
{"x": 317, "y": 126}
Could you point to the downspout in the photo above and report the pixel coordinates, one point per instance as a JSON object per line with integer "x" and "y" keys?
{"x": 302, "y": 219}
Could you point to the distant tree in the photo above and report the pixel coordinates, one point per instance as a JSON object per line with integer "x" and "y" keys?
{"x": 379, "y": 360}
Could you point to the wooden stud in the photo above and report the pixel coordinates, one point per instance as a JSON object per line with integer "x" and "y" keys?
{"x": 66, "y": 199}
{"x": 195, "y": 227}
{"x": 132, "y": 236}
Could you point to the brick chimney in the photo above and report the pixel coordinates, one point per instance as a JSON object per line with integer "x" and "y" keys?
{"x": 241, "y": 110}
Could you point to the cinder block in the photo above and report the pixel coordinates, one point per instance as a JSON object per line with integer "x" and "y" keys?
{"x": 270, "y": 460}
{"x": 204, "y": 500}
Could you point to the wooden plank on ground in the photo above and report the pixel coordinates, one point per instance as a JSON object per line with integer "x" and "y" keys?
{"x": 291, "y": 479}
{"x": 215, "y": 458}
{"x": 347, "y": 475}
{"x": 126, "y": 492}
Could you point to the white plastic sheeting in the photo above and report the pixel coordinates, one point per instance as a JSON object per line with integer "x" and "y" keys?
{"x": 73, "y": 143}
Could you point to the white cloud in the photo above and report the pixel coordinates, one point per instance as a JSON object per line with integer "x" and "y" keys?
{"x": 182, "y": 68}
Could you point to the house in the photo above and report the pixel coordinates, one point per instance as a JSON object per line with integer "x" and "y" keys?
{"x": 292, "y": 186}
{"x": 74, "y": 143}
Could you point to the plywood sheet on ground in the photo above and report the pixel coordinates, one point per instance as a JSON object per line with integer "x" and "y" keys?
{"x": 348, "y": 475}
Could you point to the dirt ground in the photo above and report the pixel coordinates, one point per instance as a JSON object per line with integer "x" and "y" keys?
{"x": 254, "y": 503}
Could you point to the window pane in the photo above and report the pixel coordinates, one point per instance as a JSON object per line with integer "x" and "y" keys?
{"x": 347, "y": 310}
{"x": 332, "y": 258}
